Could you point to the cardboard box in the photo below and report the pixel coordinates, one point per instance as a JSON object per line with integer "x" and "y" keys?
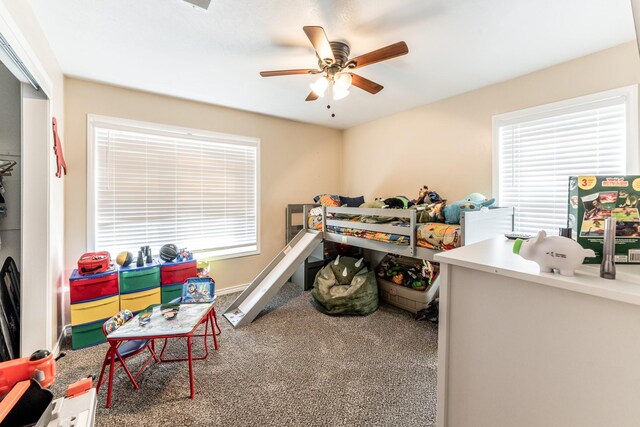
{"x": 594, "y": 198}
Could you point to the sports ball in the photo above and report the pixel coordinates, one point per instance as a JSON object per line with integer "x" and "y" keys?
{"x": 168, "y": 252}
{"x": 124, "y": 258}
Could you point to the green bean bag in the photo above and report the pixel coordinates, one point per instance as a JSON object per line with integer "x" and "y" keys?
{"x": 345, "y": 286}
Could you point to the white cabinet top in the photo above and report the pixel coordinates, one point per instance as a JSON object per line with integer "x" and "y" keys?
{"x": 496, "y": 256}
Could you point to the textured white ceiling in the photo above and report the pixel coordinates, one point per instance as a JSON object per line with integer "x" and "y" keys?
{"x": 169, "y": 47}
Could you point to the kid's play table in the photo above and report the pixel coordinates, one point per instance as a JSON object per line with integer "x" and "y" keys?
{"x": 164, "y": 322}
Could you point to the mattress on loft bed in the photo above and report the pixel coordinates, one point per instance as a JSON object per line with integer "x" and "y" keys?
{"x": 430, "y": 235}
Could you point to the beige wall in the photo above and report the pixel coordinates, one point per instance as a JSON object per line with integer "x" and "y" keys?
{"x": 447, "y": 145}
{"x": 297, "y": 161}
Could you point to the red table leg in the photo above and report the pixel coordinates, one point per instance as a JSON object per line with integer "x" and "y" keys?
{"x": 193, "y": 390}
{"x": 215, "y": 336}
{"x": 112, "y": 347}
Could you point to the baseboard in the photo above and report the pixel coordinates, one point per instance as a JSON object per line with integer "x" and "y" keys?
{"x": 65, "y": 332}
{"x": 232, "y": 289}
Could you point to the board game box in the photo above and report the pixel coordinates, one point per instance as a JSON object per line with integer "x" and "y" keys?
{"x": 594, "y": 198}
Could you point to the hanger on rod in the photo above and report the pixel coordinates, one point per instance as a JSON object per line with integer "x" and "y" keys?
{"x": 6, "y": 166}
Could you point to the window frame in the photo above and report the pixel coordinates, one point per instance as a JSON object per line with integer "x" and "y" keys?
{"x": 94, "y": 121}
{"x": 629, "y": 93}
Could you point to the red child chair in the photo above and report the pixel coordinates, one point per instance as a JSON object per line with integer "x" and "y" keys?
{"x": 123, "y": 351}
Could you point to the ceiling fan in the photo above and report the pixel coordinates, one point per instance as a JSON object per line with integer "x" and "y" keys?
{"x": 335, "y": 66}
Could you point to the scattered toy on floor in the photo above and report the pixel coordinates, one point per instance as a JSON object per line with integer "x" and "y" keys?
{"x": 430, "y": 313}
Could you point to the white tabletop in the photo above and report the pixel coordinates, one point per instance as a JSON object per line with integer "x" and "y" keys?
{"x": 496, "y": 256}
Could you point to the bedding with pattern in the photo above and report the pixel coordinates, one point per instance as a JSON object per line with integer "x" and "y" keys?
{"x": 431, "y": 235}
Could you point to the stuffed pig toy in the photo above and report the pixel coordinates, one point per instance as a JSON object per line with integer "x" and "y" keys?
{"x": 553, "y": 253}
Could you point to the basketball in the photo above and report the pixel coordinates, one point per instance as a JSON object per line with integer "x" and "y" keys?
{"x": 124, "y": 258}
{"x": 168, "y": 252}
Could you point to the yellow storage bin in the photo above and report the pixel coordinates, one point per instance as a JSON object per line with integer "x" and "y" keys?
{"x": 92, "y": 311}
{"x": 138, "y": 301}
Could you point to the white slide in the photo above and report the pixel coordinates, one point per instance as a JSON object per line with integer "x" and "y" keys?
{"x": 264, "y": 287}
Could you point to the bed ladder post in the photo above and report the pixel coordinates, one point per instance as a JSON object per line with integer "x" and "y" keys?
{"x": 412, "y": 236}
{"x": 305, "y": 217}
{"x": 324, "y": 221}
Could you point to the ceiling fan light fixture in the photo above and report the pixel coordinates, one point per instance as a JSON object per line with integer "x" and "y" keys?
{"x": 342, "y": 81}
{"x": 339, "y": 93}
{"x": 319, "y": 87}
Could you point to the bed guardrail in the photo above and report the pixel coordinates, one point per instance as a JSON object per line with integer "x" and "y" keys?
{"x": 474, "y": 225}
{"x": 408, "y": 231}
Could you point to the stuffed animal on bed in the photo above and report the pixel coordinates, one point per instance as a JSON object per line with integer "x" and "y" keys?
{"x": 473, "y": 202}
{"x": 426, "y": 196}
{"x": 398, "y": 202}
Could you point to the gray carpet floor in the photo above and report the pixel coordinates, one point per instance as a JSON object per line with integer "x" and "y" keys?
{"x": 293, "y": 366}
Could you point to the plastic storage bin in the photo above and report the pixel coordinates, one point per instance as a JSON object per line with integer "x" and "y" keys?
{"x": 92, "y": 287}
{"x": 177, "y": 272}
{"x": 135, "y": 279}
{"x": 403, "y": 297}
{"x": 138, "y": 301}
{"x": 92, "y": 311}
{"x": 171, "y": 292}
{"x": 88, "y": 334}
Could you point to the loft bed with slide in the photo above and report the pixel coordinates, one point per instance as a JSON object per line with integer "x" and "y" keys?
{"x": 384, "y": 230}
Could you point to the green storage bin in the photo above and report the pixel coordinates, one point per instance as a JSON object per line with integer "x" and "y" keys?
{"x": 139, "y": 280}
{"x": 171, "y": 292}
{"x": 87, "y": 335}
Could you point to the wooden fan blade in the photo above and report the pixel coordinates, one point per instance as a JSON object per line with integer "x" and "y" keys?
{"x": 365, "y": 84}
{"x": 382, "y": 54}
{"x": 320, "y": 43}
{"x": 312, "y": 96}
{"x": 287, "y": 72}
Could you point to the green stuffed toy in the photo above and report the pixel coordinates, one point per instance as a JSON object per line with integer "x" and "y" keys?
{"x": 473, "y": 202}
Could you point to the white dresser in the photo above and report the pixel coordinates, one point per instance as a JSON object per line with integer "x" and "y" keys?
{"x": 522, "y": 348}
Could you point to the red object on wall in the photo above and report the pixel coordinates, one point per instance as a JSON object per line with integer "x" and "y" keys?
{"x": 87, "y": 288}
{"x": 177, "y": 273}
{"x": 57, "y": 148}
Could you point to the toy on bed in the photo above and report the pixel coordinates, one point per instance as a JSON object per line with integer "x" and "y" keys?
{"x": 345, "y": 286}
{"x": 426, "y": 196}
{"x": 473, "y": 202}
{"x": 398, "y": 202}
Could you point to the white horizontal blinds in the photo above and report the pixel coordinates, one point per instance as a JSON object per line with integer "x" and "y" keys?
{"x": 538, "y": 154}
{"x": 154, "y": 188}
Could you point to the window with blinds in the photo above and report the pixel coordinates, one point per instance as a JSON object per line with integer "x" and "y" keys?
{"x": 152, "y": 185}
{"x": 538, "y": 149}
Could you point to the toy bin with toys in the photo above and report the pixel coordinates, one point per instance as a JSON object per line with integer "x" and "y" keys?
{"x": 405, "y": 282}
{"x": 594, "y": 198}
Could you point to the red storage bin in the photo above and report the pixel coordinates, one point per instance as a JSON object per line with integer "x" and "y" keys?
{"x": 177, "y": 272}
{"x": 91, "y": 287}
